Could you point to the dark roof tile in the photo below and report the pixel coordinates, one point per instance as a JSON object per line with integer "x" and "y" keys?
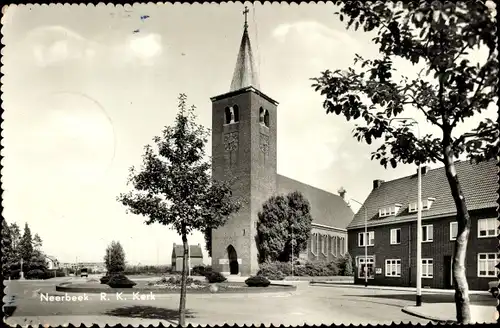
{"x": 478, "y": 181}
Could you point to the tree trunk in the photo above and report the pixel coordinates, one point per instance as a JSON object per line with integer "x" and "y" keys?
{"x": 462, "y": 301}
{"x": 182, "y": 306}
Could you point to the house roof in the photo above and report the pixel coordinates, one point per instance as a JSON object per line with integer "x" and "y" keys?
{"x": 478, "y": 181}
{"x": 52, "y": 258}
{"x": 326, "y": 208}
{"x": 194, "y": 251}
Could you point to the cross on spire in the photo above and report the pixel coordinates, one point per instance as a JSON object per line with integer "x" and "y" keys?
{"x": 245, "y": 12}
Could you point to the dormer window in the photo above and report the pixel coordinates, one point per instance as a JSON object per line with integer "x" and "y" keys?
{"x": 231, "y": 114}
{"x": 426, "y": 204}
{"x": 389, "y": 211}
{"x": 264, "y": 117}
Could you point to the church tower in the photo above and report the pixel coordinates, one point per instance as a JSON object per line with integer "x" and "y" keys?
{"x": 244, "y": 125}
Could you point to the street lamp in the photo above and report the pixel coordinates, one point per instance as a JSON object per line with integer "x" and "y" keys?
{"x": 365, "y": 239}
{"x": 419, "y": 217}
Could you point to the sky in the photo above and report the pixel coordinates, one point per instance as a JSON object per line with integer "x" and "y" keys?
{"x": 85, "y": 88}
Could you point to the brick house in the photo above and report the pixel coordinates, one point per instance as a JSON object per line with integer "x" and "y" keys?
{"x": 391, "y": 215}
{"x": 244, "y": 147}
{"x": 195, "y": 256}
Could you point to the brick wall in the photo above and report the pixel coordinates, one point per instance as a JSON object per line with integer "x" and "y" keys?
{"x": 440, "y": 250}
{"x": 254, "y": 172}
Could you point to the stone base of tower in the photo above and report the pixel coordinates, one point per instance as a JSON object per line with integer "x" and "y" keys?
{"x": 234, "y": 256}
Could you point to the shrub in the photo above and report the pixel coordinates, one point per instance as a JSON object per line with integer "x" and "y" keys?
{"x": 346, "y": 265}
{"x": 257, "y": 281}
{"x": 115, "y": 257}
{"x": 120, "y": 281}
{"x": 35, "y": 274}
{"x": 272, "y": 270}
{"x": 201, "y": 270}
{"x": 15, "y": 274}
{"x": 177, "y": 280}
{"x": 105, "y": 279}
{"x": 215, "y": 276}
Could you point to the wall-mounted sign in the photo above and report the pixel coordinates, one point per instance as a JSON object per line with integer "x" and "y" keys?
{"x": 378, "y": 270}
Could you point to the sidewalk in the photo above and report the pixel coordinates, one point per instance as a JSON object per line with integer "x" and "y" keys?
{"x": 101, "y": 320}
{"x": 404, "y": 289}
{"x": 446, "y": 312}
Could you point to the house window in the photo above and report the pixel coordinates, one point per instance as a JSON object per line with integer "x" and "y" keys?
{"x": 427, "y": 268}
{"x": 395, "y": 236}
{"x": 427, "y": 233}
{"x": 362, "y": 238}
{"x": 393, "y": 268}
{"x": 426, "y": 204}
{"x": 366, "y": 264}
{"x": 487, "y": 228}
{"x": 486, "y": 263}
{"x": 453, "y": 230}
{"x": 389, "y": 211}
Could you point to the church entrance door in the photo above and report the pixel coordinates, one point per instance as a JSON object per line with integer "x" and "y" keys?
{"x": 233, "y": 260}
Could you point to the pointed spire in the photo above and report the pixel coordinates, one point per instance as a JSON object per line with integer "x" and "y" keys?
{"x": 245, "y": 74}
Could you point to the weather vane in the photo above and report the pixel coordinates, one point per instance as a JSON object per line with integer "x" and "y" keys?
{"x": 245, "y": 12}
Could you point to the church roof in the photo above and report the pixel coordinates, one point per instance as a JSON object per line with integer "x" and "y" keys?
{"x": 245, "y": 74}
{"x": 326, "y": 208}
{"x": 479, "y": 184}
{"x": 194, "y": 251}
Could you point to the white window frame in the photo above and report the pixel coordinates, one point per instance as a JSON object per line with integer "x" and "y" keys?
{"x": 490, "y": 223}
{"x": 425, "y": 265}
{"x": 494, "y": 262}
{"x": 426, "y": 227}
{"x": 395, "y": 234}
{"x": 455, "y": 224}
{"x": 370, "y": 235}
{"x": 389, "y": 264}
{"x": 370, "y": 260}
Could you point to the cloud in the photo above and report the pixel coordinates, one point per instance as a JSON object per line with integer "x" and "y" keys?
{"x": 53, "y": 45}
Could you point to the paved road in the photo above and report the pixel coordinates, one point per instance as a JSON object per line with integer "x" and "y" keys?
{"x": 309, "y": 305}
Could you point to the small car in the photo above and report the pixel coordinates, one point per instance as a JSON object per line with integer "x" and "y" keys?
{"x": 493, "y": 288}
{"x": 84, "y": 272}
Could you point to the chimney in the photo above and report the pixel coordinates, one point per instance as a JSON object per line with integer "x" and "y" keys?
{"x": 424, "y": 169}
{"x": 377, "y": 183}
{"x": 342, "y": 192}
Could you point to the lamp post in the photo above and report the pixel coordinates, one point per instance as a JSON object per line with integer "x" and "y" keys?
{"x": 419, "y": 217}
{"x": 365, "y": 239}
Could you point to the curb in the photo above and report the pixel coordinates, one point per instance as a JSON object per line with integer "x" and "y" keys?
{"x": 427, "y": 317}
{"x": 403, "y": 289}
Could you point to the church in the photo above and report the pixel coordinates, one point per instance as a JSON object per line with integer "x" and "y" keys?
{"x": 244, "y": 148}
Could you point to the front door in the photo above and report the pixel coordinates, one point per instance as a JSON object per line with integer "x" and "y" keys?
{"x": 448, "y": 271}
{"x": 233, "y": 260}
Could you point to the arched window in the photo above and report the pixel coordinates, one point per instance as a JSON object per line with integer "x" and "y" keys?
{"x": 339, "y": 245}
{"x": 236, "y": 112}
{"x": 261, "y": 115}
{"x": 227, "y": 115}
{"x": 266, "y": 118}
{"x": 342, "y": 246}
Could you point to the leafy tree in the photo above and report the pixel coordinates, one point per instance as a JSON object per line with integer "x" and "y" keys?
{"x": 208, "y": 241}
{"x": 114, "y": 258}
{"x": 26, "y": 245}
{"x": 174, "y": 186}
{"x": 441, "y": 36}
{"x": 347, "y": 265}
{"x": 281, "y": 218}
{"x": 15, "y": 234}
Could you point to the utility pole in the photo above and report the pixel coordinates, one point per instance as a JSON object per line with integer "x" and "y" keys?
{"x": 419, "y": 216}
